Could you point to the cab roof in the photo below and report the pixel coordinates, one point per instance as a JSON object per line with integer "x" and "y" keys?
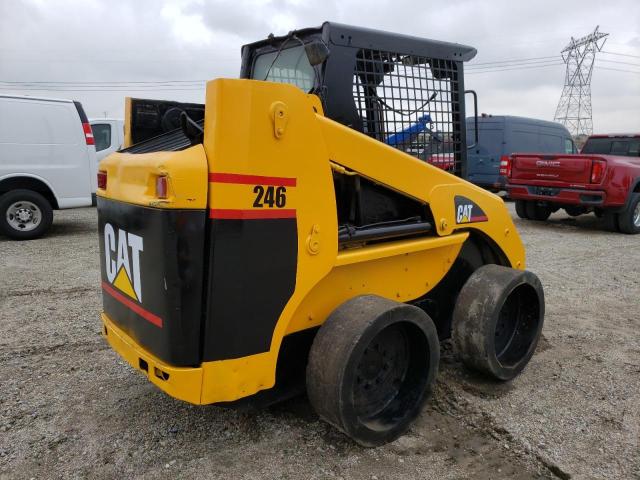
{"x": 360, "y": 37}
{"x": 615, "y": 135}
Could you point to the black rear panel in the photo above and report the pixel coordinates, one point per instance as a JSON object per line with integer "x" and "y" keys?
{"x": 252, "y": 275}
{"x": 152, "y": 273}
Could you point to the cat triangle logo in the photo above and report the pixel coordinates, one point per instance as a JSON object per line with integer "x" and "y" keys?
{"x": 122, "y": 261}
{"x": 123, "y": 284}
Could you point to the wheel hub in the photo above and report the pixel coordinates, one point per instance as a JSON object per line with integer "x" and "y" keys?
{"x": 23, "y": 216}
{"x": 636, "y": 216}
{"x": 380, "y": 372}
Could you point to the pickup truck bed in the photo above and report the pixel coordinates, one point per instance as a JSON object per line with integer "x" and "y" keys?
{"x": 592, "y": 181}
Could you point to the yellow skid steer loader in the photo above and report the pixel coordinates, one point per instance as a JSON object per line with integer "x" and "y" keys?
{"x": 308, "y": 226}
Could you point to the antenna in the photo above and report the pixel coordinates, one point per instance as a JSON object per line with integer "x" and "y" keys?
{"x": 574, "y": 107}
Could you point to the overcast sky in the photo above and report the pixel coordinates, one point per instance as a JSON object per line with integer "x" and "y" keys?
{"x": 157, "y": 40}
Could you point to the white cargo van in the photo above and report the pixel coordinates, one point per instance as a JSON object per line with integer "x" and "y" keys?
{"x": 108, "y": 134}
{"x": 47, "y": 162}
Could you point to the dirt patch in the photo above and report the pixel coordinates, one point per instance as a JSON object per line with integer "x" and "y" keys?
{"x": 71, "y": 408}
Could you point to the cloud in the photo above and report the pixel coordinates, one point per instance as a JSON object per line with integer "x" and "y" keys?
{"x": 114, "y": 40}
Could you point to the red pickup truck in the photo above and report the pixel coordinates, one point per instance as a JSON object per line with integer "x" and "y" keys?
{"x": 603, "y": 178}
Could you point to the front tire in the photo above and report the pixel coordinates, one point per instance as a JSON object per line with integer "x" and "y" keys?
{"x": 371, "y": 367}
{"x": 24, "y": 214}
{"x": 629, "y": 218}
{"x": 497, "y": 320}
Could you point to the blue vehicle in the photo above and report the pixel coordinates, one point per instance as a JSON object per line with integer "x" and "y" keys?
{"x": 500, "y": 136}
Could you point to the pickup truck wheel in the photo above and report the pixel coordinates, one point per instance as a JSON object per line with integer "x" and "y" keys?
{"x": 574, "y": 211}
{"x": 610, "y": 221}
{"x": 371, "y": 367}
{"x": 24, "y": 214}
{"x": 497, "y": 320}
{"x": 521, "y": 209}
{"x": 537, "y": 212}
{"x": 629, "y": 218}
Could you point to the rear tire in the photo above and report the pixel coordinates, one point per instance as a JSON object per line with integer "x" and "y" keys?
{"x": 371, "y": 367}
{"x": 610, "y": 220}
{"x": 521, "y": 209}
{"x": 24, "y": 214}
{"x": 537, "y": 212}
{"x": 498, "y": 320}
{"x": 629, "y": 218}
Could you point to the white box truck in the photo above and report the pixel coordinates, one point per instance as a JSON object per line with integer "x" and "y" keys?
{"x": 47, "y": 162}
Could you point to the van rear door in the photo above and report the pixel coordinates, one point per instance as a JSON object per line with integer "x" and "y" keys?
{"x": 90, "y": 149}
{"x": 483, "y": 161}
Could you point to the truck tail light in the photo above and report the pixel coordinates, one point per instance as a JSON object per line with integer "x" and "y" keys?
{"x": 162, "y": 187}
{"x": 88, "y": 134}
{"x": 505, "y": 166}
{"x": 597, "y": 171}
{"x": 102, "y": 179}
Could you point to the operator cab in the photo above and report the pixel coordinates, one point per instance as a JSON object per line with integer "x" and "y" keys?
{"x": 404, "y": 91}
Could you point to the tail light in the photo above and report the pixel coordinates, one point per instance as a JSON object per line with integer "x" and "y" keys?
{"x": 102, "y": 179}
{"x": 88, "y": 134}
{"x": 162, "y": 187}
{"x": 505, "y": 166}
{"x": 597, "y": 171}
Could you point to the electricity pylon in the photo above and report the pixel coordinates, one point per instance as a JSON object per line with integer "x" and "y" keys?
{"x": 574, "y": 107}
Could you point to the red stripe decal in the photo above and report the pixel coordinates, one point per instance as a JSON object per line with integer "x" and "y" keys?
{"x": 252, "y": 179}
{"x": 148, "y": 316}
{"x": 232, "y": 214}
{"x": 479, "y": 218}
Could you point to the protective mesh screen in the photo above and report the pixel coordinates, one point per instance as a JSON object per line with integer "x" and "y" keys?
{"x": 411, "y": 103}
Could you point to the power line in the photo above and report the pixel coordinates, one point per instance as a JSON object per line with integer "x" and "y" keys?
{"x": 102, "y": 89}
{"x": 103, "y": 83}
{"x": 475, "y": 72}
{"x": 618, "y": 70}
{"x": 621, "y": 54}
{"x": 490, "y": 67}
{"x": 513, "y": 60}
{"x": 623, "y": 63}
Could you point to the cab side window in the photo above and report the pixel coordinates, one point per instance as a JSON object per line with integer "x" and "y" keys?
{"x": 101, "y": 135}
{"x": 620, "y": 147}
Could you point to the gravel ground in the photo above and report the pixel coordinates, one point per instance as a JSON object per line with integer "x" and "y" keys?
{"x": 70, "y": 408}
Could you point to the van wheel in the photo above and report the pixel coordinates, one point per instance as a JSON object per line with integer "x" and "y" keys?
{"x": 371, "y": 367}
{"x": 521, "y": 209}
{"x": 629, "y": 218}
{"x": 537, "y": 212}
{"x": 497, "y": 320}
{"x": 24, "y": 214}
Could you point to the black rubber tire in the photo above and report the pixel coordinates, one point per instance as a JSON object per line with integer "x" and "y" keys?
{"x": 626, "y": 218}
{"x": 38, "y": 200}
{"x": 610, "y": 221}
{"x": 537, "y": 212}
{"x": 353, "y": 382}
{"x": 574, "y": 210}
{"x": 521, "y": 209}
{"x": 497, "y": 320}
